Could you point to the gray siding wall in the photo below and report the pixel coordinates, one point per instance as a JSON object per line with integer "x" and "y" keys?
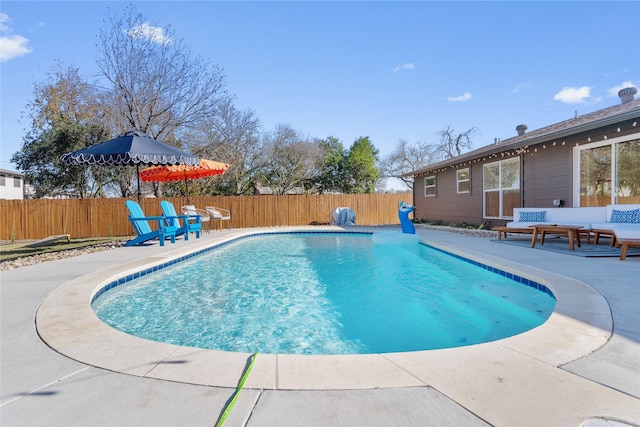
{"x": 546, "y": 174}
{"x": 448, "y": 206}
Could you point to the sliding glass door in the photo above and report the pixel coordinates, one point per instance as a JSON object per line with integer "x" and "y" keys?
{"x": 608, "y": 172}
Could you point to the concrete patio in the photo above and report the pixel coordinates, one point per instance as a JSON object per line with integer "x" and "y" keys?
{"x": 581, "y": 367}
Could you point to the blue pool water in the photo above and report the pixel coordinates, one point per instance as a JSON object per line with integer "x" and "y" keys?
{"x": 323, "y": 293}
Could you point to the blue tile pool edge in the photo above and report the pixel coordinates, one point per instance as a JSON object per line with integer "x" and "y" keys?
{"x": 515, "y": 277}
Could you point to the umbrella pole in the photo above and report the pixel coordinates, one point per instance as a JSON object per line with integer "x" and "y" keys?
{"x": 186, "y": 188}
{"x": 138, "y": 175}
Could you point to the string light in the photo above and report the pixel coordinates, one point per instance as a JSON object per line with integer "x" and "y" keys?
{"x": 520, "y": 151}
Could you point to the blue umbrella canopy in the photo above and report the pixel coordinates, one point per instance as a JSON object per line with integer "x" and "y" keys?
{"x": 131, "y": 149}
{"x": 134, "y": 148}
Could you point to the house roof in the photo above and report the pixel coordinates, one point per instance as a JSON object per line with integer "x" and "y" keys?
{"x": 586, "y": 122}
{"x": 7, "y": 172}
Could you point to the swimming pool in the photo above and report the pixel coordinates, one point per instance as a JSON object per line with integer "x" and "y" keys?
{"x": 324, "y": 293}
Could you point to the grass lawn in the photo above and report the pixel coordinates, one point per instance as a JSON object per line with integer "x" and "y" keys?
{"x": 11, "y": 251}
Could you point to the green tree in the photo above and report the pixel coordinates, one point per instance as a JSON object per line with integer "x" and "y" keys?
{"x": 360, "y": 168}
{"x": 65, "y": 115}
{"x": 331, "y": 169}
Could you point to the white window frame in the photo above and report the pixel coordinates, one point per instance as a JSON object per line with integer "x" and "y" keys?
{"x": 576, "y": 164}
{"x": 459, "y": 181}
{"x": 434, "y": 186}
{"x": 500, "y": 190}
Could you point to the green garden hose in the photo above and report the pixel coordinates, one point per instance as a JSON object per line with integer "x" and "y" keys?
{"x": 232, "y": 402}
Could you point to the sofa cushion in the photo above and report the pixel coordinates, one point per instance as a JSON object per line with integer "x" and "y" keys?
{"x": 533, "y": 216}
{"x": 625, "y": 216}
{"x": 607, "y": 226}
{"x": 627, "y": 231}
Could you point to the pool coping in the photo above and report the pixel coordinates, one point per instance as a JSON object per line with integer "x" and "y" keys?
{"x": 580, "y": 324}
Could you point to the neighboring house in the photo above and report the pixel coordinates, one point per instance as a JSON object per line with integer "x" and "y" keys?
{"x": 263, "y": 191}
{"x": 11, "y": 185}
{"x": 590, "y": 160}
{"x": 269, "y": 191}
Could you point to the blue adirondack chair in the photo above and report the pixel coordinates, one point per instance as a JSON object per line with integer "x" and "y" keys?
{"x": 141, "y": 226}
{"x": 172, "y": 219}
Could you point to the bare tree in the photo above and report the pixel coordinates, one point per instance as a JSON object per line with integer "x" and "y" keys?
{"x": 292, "y": 161}
{"x": 406, "y": 157}
{"x": 232, "y": 137}
{"x": 159, "y": 84}
{"x": 159, "y": 87}
{"x": 452, "y": 144}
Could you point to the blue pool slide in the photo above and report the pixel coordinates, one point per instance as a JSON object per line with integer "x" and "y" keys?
{"x": 403, "y": 213}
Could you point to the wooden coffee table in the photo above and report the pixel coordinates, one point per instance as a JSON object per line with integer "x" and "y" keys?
{"x": 571, "y": 231}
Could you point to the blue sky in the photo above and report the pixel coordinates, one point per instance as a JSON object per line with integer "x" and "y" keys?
{"x": 387, "y": 70}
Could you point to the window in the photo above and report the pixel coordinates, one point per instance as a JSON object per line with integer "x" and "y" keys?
{"x": 463, "y": 181}
{"x": 16, "y": 182}
{"x": 607, "y": 173}
{"x": 501, "y": 188}
{"x": 430, "y": 186}
{"x": 2, "y": 180}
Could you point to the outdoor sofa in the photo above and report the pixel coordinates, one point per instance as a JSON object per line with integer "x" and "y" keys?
{"x": 597, "y": 221}
{"x": 627, "y": 235}
{"x": 590, "y": 218}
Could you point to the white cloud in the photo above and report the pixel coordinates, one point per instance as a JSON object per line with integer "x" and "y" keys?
{"x": 4, "y": 18}
{"x": 148, "y": 32}
{"x": 467, "y": 96}
{"x": 574, "y": 95}
{"x": 11, "y": 46}
{"x": 519, "y": 87}
{"x": 614, "y": 90}
{"x": 406, "y": 67}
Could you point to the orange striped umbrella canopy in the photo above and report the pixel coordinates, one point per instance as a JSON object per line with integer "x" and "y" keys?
{"x": 169, "y": 173}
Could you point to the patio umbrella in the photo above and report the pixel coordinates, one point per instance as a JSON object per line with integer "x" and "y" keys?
{"x": 205, "y": 169}
{"x": 134, "y": 148}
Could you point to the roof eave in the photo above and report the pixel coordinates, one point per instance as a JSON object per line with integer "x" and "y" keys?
{"x": 497, "y": 148}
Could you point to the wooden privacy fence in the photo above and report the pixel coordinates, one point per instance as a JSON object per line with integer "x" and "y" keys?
{"x": 36, "y": 219}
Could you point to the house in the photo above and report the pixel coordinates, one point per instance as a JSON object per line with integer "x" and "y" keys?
{"x": 11, "y": 185}
{"x": 270, "y": 191}
{"x": 590, "y": 160}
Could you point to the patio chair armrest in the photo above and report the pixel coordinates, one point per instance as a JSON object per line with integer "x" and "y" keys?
{"x": 185, "y": 217}
{"x": 221, "y": 212}
{"x": 188, "y": 210}
{"x": 202, "y": 212}
{"x": 147, "y": 218}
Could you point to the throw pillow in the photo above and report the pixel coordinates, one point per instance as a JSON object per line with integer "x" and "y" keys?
{"x": 535, "y": 216}
{"x": 189, "y": 210}
{"x": 214, "y": 213}
{"x": 629, "y": 216}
